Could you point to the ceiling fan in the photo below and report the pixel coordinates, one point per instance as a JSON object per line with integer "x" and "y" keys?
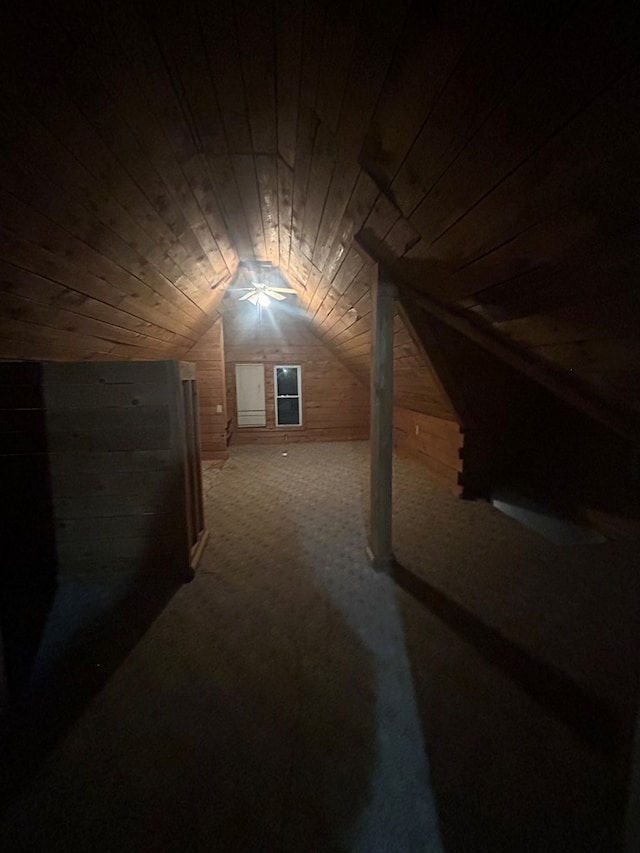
{"x": 260, "y": 293}
{"x": 259, "y": 290}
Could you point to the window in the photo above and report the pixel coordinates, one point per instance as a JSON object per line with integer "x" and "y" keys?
{"x": 286, "y": 380}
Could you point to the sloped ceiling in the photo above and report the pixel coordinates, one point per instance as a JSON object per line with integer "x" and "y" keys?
{"x": 485, "y": 154}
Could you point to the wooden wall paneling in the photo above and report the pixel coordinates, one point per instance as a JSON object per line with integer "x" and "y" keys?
{"x": 110, "y": 106}
{"x": 531, "y": 116}
{"x": 362, "y": 197}
{"x": 428, "y": 50}
{"x": 312, "y": 285}
{"x": 572, "y": 324}
{"x": 244, "y": 169}
{"x": 605, "y": 134}
{"x": 579, "y": 278}
{"x": 208, "y": 356}
{"x": 335, "y": 403}
{"x": 289, "y": 24}
{"x": 268, "y": 187}
{"x": 353, "y": 323}
{"x": 519, "y": 435}
{"x": 256, "y": 38}
{"x": 341, "y": 25}
{"x": 231, "y": 206}
{"x": 183, "y": 58}
{"x": 435, "y": 443}
{"x": 307, "y": 129}
{"x": 360, "y": 202}
{"x": 323, "y": 160}
{"x": 314, "y": 16}
{"x": 499, "y": 52}
{"x": 68, "y": 124}
{"x": 83, "y": 345}
{"x": 79, "y": 220}
{"x": 348, "y": 269}
{"x": 285, "y": 213}
{"x": 425, "y": 349}
{"x": 165, "y": 289}
{"x": 348, "y": 338}
{"x": 41, "y": 158}
{"x": 44, "y": 291}
{"x": 23, "y": 219}
{"x": 328, "y": 312}
{"x": 152, "y": 145}
{"x": 600, "y": 362}
{"x": 359, "y": 345}
{"x": 554, "y": 380}
{"x": 26, "y": 309}
{"x": 78, "y": 217}
{"x": 340, "y": 31}
{"x": 219, "y": 114}
{"x": 19, "y": 348}
{"x": 373, "y": 48}
{"x": 417, "y": 386}
{"x": 329, "y": 291}
{"x": 327, "y": 302}
{"x": 220, "y": 39}
{"x": 154, "y": 65}
{"x": 346, "y": 312}
{"x": 561, "y": 237}
{"x": 433, "y": 354}
{"x": 323, "y": 284}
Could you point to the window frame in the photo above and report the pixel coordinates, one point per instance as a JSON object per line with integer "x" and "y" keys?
{"x": 277, "y": 397}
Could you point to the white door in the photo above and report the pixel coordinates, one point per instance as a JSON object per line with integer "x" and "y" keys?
{"x": 250, "y": 395}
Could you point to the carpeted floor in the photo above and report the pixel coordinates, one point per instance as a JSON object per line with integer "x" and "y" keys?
{"x": 290, "y": 699}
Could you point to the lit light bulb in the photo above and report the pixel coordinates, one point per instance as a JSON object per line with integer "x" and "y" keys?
{"x": 263, "y": 299}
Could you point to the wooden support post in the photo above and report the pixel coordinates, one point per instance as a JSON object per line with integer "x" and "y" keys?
{"x": 380, "y": 521}
{"x": 632, "y": 821}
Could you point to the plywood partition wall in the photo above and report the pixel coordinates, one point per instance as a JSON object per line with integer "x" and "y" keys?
{"x": 98, "y": 516}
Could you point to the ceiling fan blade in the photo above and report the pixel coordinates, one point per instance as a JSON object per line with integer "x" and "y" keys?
{"x": 273, "y": 295}
{"x": 252, "y": 297}
{"x": 283, "y": 289}
{"x": 247, "y": 295}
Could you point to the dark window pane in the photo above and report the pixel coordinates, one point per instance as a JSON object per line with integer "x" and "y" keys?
{"x": 289, "y": 411}
{"x": 287, "y": 380}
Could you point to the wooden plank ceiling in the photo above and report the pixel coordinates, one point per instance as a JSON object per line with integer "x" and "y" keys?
{"x": 486, "y": 154}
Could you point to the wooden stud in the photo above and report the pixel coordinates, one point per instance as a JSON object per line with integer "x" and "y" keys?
{"x": 379, "y": 550}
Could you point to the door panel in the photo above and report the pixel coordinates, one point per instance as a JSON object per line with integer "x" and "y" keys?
{"x": 250, "y": 395}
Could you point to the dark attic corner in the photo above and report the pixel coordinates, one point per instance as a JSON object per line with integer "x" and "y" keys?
{"x": 319, "y": 427}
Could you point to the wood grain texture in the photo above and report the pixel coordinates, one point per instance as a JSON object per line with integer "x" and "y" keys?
{"x": 435, "y": 443}
{"x": 208, "y": 356}
{"x": 477, "y": 149}
{"x": 335, "y": 404}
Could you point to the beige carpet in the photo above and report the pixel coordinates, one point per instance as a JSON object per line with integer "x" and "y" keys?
{"x": 290, "y": 699}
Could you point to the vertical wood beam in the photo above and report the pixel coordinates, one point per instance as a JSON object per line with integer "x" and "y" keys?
{"x": 632, "y": 820}
{"x": 380, "y": 550}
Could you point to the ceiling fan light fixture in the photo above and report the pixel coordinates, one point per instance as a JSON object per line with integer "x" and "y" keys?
{"x": 263, "y": 299}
